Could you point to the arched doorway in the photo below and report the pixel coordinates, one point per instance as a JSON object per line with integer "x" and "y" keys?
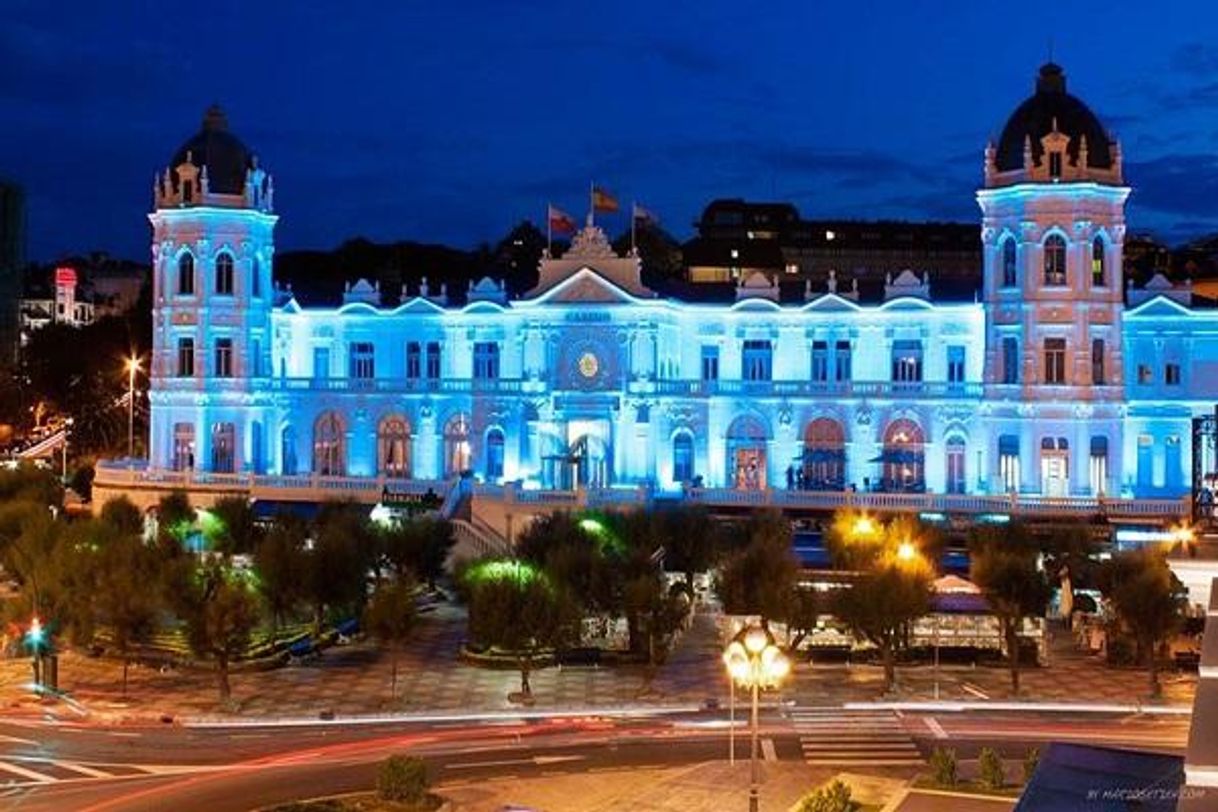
{"x": 457, "y": 454}
{"x": 494, "y": 455}
{"x": 904, "y": 457}
{"x": 824, "y": 457}
{"x": 329, "y": 445}
{"x": 955, "y": 472}
{"x": 746, "y": 453}
{"x": 393, "y": 447}
{"x": 682, "y": 457}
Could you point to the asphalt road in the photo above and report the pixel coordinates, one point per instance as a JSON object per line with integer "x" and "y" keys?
{"x": 69, "y": 767}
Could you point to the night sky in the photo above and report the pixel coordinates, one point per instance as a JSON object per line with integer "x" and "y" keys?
{"x": 449, "y": 122}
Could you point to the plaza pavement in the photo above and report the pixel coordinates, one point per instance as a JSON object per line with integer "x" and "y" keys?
{"x": 355, "y": 679}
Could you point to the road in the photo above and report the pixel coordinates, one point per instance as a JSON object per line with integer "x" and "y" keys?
{"x": 51, "y": 766}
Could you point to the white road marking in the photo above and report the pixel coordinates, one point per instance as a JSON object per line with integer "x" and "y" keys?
{"x": 974, "y": 690}
{"x": 537, "y": 760}
{"x": 767, "y": 750}
{"x": 935, "y": 727}
{"x": 82, "y": 769}
{"x": 17, "y": 769}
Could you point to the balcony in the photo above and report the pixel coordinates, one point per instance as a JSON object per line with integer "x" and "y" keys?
{"x": 392, "y": 385}
{"x": 822, "y": 389}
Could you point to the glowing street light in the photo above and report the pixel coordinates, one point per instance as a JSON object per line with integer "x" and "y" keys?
{"x": 133, "y": 366}
{"x": 753, "y": 661}
{"x": 863, "y": 526}
{"x": 906, "y": 551}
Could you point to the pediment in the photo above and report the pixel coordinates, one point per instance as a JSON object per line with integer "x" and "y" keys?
{"x": 1159, "y": 306}
{"x": 587, "y": 286}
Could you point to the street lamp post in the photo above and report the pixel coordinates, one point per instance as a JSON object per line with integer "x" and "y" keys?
{"x": 133, "y": 366}
{"x": 755, "y": 662}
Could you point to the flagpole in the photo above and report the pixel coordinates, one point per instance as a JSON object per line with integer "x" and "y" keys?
{"x": 633, "y": 219}
{"x": 591, "y": 203}
{"x": 549, "y": 229}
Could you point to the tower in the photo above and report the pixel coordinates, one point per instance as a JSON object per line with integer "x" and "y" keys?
{"x": 1053, "y": 225}
{"x": 212, "y": 248}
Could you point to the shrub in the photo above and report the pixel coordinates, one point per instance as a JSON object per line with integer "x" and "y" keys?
{"x": 990, "y": 770}
{"x": 1029, "y": 763}
{"x": 943, "y": 763}
{"x": 402, "y": 778}
{"x": 832, "y": 798}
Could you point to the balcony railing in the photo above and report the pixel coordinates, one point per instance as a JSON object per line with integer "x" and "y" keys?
{"x": 441, "y": 385}
{"x": 836, "y": 389}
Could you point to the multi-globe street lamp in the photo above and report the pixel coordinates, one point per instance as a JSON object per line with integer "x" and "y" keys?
{"x": 754, "y": 661}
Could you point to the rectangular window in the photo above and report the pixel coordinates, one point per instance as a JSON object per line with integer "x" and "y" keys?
{"x": 361, "y": 361}
{"x": 1146, "y": 460}
{"x": 757, "y": 361}
{"x": 907, "y": 361}
{"x": 321, "y": 362}
{"x": 186, "y": 357}
{"x": 183, "y": 446}
{"x": 955, "y": 364}
{"x": 224, "y": 358}
{"x": 710, "y": 363}
{"x": 486, "y": 361}
{"x": 842, "y": 366}
{"x": 1008, "y": 462}
{"x": 433, "y": 360}
{"x": 255, "y": 369}
{"x": 1010, "y": 360}
{"x": 414, "y": 361}
{"x": 1055, "y": 164}
{"x": 1055, "y": 360}
{"x": 1099, "y": 465}
{"x": 1145, "y": 375}
{"x": 820, "y": 361}
{"x": 1097, "y": 362}
{"x": 1171, "y": 375}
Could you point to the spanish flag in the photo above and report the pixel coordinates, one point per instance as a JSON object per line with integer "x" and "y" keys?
{"x": 603, "y": 201}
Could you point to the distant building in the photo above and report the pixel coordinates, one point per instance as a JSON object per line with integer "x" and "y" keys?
{"x": 58, "y": 304}
{"x": 12, "y": 261}
{"x": 737, "y": 237}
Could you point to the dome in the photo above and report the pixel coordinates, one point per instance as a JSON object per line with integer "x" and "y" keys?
{"x": 1052, "y": 106}
{"x": 213, "y": 146}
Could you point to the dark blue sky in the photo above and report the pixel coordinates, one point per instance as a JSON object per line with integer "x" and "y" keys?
{"x": 449, "y": 122}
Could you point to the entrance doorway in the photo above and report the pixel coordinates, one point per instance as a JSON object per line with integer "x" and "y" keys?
{"x": 746, "y": 454}
{"x": 1055, "y": 466}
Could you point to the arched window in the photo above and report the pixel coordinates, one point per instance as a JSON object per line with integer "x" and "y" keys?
{"x": 329, "y": 445}
{"x": 1010, "y": 272}
{"x": 224, "y": 274}
{"x": 903, "y": 457}
{"x": 393, "y": 448}
{"x": 824, "y": 460}
{"x": 186, "y": 274}
{"x": 1099, "y": 265}
{"x": 682, "y": 457}
{"x": 255, "y": 277}
{"x": 287, "y": 451}
{"x": 494, "y": 455}
{"x": 1055, "y": 260}
{"x": 747, "y": 461}
{"x": 456, "y": 445}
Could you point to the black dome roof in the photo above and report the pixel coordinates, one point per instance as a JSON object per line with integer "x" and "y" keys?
{"x": 213, "y": 146}
{"x": 1036, "y": 117}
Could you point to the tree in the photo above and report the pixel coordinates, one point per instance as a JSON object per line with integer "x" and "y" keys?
{"x": 1004, "y": 567}
{"x": 122, "y": 514}
{"x": 892, "y": 586}
{"x": 417, "y": 547}
{"x": 691, "y": 539}
{"x": 759, "y": 578}
{"x": 281, "y": 562}
{"x": 124, "y": 567}
{"x": 175, "y": 522}
{"x": 516, "y": 607}
{"x": 1148, "y": 601}
{"x": 390, "y": 618}
{"x": 336, "y": 569}
{"x": 232, "y": 530}
{"x": 220, "y": 610}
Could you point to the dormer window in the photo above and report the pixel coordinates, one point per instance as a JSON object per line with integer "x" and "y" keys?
{"x": 224, "y": 274}
{"x": 1055, "y": 164}
{"x": 186, "y": 274}
{"x": 1099, "y": 274}
{"x": 188, "y": 191}
{"x": 1055, "y": 260}
{"x": 1010, "y": 274}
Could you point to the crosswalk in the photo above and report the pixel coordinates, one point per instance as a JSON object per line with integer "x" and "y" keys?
{"x": 17, "y": 771}
{"x": 839, "y": 737}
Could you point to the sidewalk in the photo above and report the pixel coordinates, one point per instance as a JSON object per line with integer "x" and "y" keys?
{"x": 355, "y": 680}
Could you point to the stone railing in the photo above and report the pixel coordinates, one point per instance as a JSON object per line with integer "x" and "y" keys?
{"x": 837, "y": 389}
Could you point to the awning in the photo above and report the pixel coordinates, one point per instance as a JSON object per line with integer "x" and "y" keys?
{"x": 900, "y": 456}
{"x": 823, "y": 455}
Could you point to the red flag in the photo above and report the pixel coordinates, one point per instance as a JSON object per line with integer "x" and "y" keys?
{"x": 603, "y": 201}
{"x": 560, "y": 221}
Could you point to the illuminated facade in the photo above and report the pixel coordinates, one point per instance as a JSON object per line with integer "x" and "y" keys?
{"x": 1055, "y": 380}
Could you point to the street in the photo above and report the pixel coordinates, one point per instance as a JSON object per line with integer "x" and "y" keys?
{"x": 71, "y": 767}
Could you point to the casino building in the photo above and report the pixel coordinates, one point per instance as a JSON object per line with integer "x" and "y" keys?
{"x": 1053, "y": 384}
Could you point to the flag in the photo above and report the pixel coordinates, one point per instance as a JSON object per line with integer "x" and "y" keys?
{"x": 602, "y": 200}
{"x": 642, "y": 215}
{"x": 560, "y": 221}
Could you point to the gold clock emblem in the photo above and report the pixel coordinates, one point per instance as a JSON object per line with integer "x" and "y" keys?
{"x": 589, "y": 365}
